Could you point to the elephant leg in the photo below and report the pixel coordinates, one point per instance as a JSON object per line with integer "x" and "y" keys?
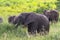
{"x": 46, "y": 29}
{"x": 56, "y": 19}
{"x": 43, "y": 30}
{"x": 32, "y": 28}
{"x": 39, "y": 29}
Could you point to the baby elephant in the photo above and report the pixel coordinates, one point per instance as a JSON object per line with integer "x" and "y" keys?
{"x": 34, "y": 22}
{"x": 52, "y": 15}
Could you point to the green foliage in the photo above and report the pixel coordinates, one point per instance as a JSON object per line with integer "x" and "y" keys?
{"x": 9, "y": 7}
{"x": 15, "y": 7}
{"x": 58, "y": 5}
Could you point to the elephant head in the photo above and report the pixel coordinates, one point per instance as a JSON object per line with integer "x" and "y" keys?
{"x": 23, "y": 19}
{"x": 11, "y": 18}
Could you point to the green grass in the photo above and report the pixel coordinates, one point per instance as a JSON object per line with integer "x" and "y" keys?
{"x": 7, "y": 32}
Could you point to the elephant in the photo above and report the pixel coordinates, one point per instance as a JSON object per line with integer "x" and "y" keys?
{"x": 11, "y": 18}
{"x": 33, "y": 21}
{"x": 52, "y": 15}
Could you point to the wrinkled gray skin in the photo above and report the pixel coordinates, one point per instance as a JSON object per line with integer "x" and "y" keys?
{"x": 34, "y": 22}
{"x": 52, "y": 15}
{"x": 11, "y": 19}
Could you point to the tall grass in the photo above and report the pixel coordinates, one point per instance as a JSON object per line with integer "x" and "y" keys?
{"x": 8, "y": 32}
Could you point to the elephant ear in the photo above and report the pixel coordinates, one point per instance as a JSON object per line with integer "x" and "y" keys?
{"x": 28, "y": 22}
{"x": 29, "y": 19}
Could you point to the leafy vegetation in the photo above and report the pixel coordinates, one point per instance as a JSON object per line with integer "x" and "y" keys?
{"x": 15, "y": 7}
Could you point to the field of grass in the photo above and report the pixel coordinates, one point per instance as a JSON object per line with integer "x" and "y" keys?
{"x": 7, "y": 32}
{"x": 15, "y": 7}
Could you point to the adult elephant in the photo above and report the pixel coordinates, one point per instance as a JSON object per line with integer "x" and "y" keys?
{"x": 52, "y": 15}
{"x": 35, "y": 22}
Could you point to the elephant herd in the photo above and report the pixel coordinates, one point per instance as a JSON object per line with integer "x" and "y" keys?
{"x": 36, "y": 23}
